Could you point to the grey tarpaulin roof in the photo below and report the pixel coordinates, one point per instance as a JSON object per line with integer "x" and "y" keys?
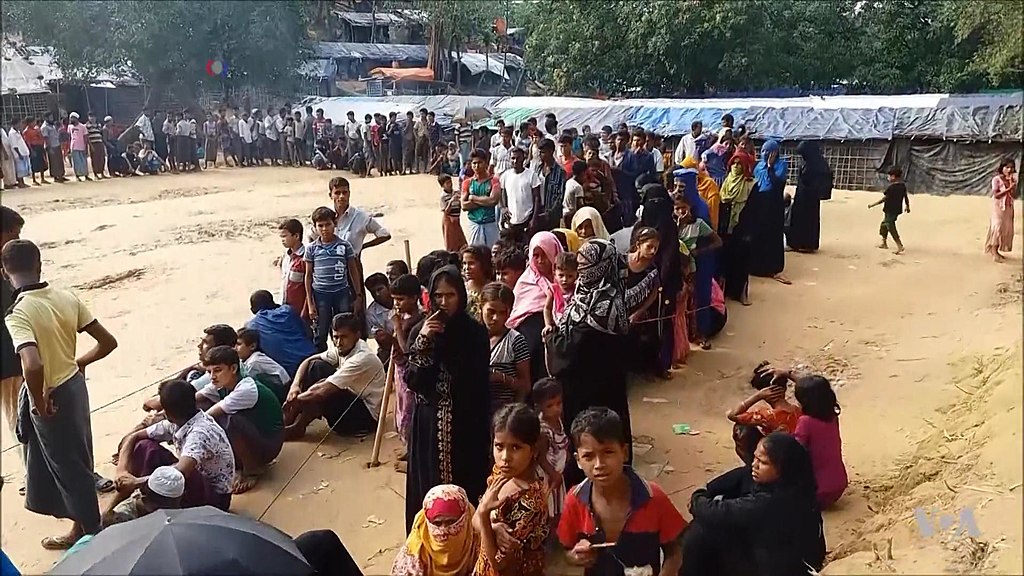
{"x": 28, "y": 69}
{"x": 366, "y": 19}
{"x": 19, "y": 76}
{"x": 360, "y": 51}
{"x": 477, "y": 63}
{"x": 318, "y": 68}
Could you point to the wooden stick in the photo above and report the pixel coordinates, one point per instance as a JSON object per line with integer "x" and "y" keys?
{"x": 389, "y": 383}
{"x": 408, "y": 256}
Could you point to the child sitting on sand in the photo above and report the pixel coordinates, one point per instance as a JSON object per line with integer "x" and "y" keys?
{"x": 779, "y": 414}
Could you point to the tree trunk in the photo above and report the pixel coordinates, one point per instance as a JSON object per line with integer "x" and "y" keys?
{"x": 373, "y": 21}
{"x": 487, "y": 66}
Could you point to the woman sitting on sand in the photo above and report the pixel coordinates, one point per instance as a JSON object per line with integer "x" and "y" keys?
{"x": 772, "y": 526}
{"x": 442, "y": 540}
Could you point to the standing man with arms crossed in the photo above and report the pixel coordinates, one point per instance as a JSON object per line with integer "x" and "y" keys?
{"x": 44, "y": 323}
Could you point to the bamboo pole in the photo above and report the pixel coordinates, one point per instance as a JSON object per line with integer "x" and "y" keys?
{"x": 378, "y": 438}
{"x": 389, "y": 386}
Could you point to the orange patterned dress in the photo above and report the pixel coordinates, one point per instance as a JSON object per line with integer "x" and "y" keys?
{"x": 768, "y": 419}
{"x": 526, "y": 515}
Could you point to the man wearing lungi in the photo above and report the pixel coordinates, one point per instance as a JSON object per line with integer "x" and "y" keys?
{"x": 53, "y": 421}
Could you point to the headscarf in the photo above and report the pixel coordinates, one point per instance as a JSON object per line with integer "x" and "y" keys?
{"x": 572, "y": 240}
{"x": 446, "y": 345}
{"x": 706, "y": 261}
{"x": 590, "y": 213}
{"x": 599, "y": 301}
{"x": 815, "y": 170}
{"x": 779, "y": 172}
{"x": 708, "y": 190}
{"x": 658, "y": 214}
{"x": 444, "y": 550}
{"x": 744, "y": 159}
{"x": 699, "y": 208}
{"x": 736, "y": 190}
{"x": 532, "y": 288}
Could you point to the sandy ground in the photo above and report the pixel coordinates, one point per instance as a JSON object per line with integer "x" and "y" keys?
{"x": 924, "y": 350}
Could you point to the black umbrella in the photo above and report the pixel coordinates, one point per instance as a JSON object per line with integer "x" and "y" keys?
{"x": 197, "y": 541}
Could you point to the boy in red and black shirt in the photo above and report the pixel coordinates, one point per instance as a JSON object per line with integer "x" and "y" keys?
{"x": 614, "y": 520}
{"x": 293, "y": 269}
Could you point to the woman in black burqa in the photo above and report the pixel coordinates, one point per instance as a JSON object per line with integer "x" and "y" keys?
{"x": 584, "y": 352}
{"x": 449, "y": 358}
{"x": 767, "y": 205}
{"x": 813, "y": 184}
{"x": 762, "y": 518}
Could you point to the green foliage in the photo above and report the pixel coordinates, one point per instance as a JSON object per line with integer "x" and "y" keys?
{"x": 666, "y": 47}
{"x": 168, "y": 42}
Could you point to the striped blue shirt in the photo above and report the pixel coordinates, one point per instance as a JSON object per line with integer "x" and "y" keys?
{"x": 330, "y": 264}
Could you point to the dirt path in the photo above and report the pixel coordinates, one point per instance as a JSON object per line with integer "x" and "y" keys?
{"x": 922, "y": 349}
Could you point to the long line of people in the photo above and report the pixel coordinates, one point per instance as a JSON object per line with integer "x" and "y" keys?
{"x": 540, "y": 318}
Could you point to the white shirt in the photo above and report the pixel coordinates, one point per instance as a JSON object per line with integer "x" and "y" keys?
{"x": 573, "y": 193}
{"x": 270, "y": 128}
{"x": 496, "y": 139}
{"x": 145, "y": 127}
{"x": 501, "y": 159}
{"x": 359, "y": 371}
{"x": 203, "y": 440}
{"x": 259, "y": 364}
{"x": 354, "y": 225}
{"x": 279, "y": 123}
{"x": 352, "y": 130}
{"x": 18, "y": 143}
{"x": 519, "y": 193}
{"x": 243, "y": 397}
{"x": 687, "y": 148}
{"x": 244, "y": 132}
{"x": 659, "y": 160}
{"x": 606, "y": 152}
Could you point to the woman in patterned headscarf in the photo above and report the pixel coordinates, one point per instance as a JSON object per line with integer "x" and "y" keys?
{"x": 442, "y": 541}
{"x": 585, "y": 350}
{"x": 449, "y": 364}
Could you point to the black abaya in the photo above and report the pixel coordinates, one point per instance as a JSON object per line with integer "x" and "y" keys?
{"x": 531, "y": 328}
{"x": 813, "y": 184}
{"x": 767, "y": 221}
{"x": 590, "y": 367}
{"x": 734, "y": 257}
{"x": 449, "y": 437}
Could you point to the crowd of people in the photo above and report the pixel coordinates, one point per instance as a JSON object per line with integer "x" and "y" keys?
{"x": 563, "y": 254}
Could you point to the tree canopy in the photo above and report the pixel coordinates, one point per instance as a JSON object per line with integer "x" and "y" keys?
{"x": 167, "y": 43}
{"x": 668, "y": 47}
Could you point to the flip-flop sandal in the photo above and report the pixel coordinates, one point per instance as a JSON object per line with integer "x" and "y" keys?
{"x": 21, "y": 490}
{"x": 103, "y": 485}
{"x": 244, "y": 484}
{"x": 58, "y": 542}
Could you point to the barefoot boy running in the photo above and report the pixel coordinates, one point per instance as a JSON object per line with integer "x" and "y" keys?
{"x": 892, "y": 206}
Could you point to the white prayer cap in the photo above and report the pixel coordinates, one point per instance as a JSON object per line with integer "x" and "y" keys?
{"x": 73, "y": 115}
{"x": 108, "y": 118}
{"x": 167, "y": 481}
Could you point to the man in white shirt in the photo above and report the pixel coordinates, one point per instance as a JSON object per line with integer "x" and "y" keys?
{"x": 499, "y": 127}
{"x": 522, "y": 202}
{"x": 353, "y": 134}
{"x": 607, "y": 144}
{"x": 501, "y": 155}
{"x": 145, "y": 127}
{"x": 353, "y": 223}
{"x": 272, "y": 150}
{"x": 687, "y": 147}
{"x": 659, "y": 159}
{"x": 259, "y": 136}
{"x": 282, "y": 149}
{"x": 344, "y": 385}
{"x": 245, "y": 137}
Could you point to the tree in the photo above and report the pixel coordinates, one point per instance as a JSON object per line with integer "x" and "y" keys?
{"x": 168, "y": 43}
{"x": 453, "y": 24}
{"x": 669, "y": 47}
{"x": 991, "y": 32}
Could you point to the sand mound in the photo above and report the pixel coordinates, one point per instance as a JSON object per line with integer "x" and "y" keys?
{"x": 952, "y": 505}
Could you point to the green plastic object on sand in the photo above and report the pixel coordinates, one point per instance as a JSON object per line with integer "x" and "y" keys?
{"x": 681, "y": 428}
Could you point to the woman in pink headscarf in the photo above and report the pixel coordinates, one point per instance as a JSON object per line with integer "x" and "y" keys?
{"x": 531, "y": 292}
